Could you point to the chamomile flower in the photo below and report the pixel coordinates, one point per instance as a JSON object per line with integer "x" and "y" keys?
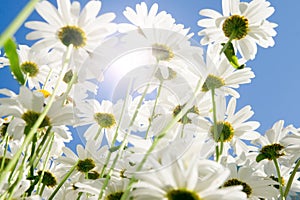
{"x": 233, "y": 126}
{"x": 278, "y": 143}
{"x": 67, "y": 25}
{"x": 102, "y": 119}
{"x": 27, "y": 107}
{"x": 244, "y": 23}
{"x": 143, "y": 19}
{"x": 35, "y": 66}
{"x": 269, "y": 170}
{"x": 114, "y": 190}
{"x": 170, "y": 105}
{"x": 182, "y": 180}
{"x": 19, "y": 189}
{"x": 221, "y": 76}
{"x": 254, "y": 186}
{"x": 168, "y": 49}
{"x": 88, "y": 161}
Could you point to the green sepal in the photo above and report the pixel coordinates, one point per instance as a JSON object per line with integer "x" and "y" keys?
{"x": 231, "y": 57}
{"x": 260, "y": 157}
{"x": 10, "y": 49}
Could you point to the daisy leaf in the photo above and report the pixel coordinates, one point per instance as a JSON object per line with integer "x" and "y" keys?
{"x": 11, "y": 52}
{"x": 230, "y": 55}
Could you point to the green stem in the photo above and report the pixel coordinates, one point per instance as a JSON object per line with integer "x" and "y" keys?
{"x": 140, "y": 166}
{"x": 98, "y": 133}
{"x": 216, "y": 134}
{"x": 12, "y": 188}
{"x": 182, "y": 130}
{"x": 63, "y": 181}
{"x": 33, "y": 145}
{"x": 113, "y": 166}
{"x": 279, "y": 178}
{"x": 125, "y": 137}
{"x": 160, "y": 136}
{"x": 36, "y": 153}
{"x": 79, "y": 195}
{"x": 42, "y": 151}
{"x": 47, "y": 79}
{"x": 154, "y": 107}
{"x": 39, "y": 121}
{"x": 70, "y": 84}
{"x": 42, "y": 190}
{"x": 116, "y": 132}
{"x": 217, "y": 152}
{"x": 18, "y": 21}
{"x": 232, "y": 36}
{"x": 44, "y": 167}
{"x": 222, "y": 144}
{"x": 6, "y": 138}
{"x": 290, "y": 181}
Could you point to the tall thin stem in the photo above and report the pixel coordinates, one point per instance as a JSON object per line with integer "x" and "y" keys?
{"x": 18, "y": 21}
{"x": 232, "y": 36}
{"x": 6, "y": 138}
{"x": 160, "y": 136}
{"x": 39, "y": 121}
{"x": 290, "y": 181}
{"x": 63, "y": 181}
{"x": 215, "y": 126}
{"x": 154, "y": 108}
{"x": 116, "y": 132}
{"x": 279, "y": 178}
{"x": 44, "y": 166}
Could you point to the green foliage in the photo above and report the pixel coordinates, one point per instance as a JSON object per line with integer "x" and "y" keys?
{"x": 230, "y": 55}
{"x": 11, "y": 52}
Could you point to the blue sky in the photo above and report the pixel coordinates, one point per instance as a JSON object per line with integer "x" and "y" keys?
{"x": 273, "y": 94}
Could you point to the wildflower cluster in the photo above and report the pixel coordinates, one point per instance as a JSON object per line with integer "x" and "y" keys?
{"x": 156, "y": 111}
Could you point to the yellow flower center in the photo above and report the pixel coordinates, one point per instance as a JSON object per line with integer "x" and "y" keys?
{"x": 30, "y": 68}
{"x": 185, "y": 119}
{"x": 212, "y": 82}
{"x": 224, "y": 130}
{"x": 162, "y": 52}
{"x": 72, "y": 35}
{"x": 180, "y": 194}
{"x": 235, "y": 27}
{"x": 246, "y": 188}
{"x": 105, "y": 120}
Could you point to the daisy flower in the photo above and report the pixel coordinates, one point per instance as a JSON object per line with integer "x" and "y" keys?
{"x": 254, "y": 186}
{"x": 152, "y": 19}
{"x": 170, "y": 105}
{"x": 221, "y": 76}
{"x": 35, "y": 66}
{"x": 169, "y": 50}
{"x": 182, "y": 180}
{"x": 233, "y": 126}
{"x": 88, "y": 161}
{"x": 19, "y": 189}
{"x": 68, "y": 25}
{"x": 243, "y": 23}
{"x": 269, "y": 170}
{"x": 279, "y": 143}
{"x": 27, "y": 107}
{"x": 114, "y": 189}
{"x": 102, "y": 119}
